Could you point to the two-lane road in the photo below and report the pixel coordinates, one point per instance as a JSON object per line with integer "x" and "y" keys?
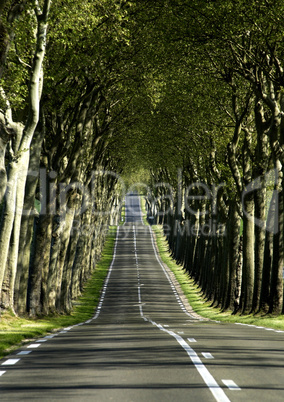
{"x": 143, "y": 345}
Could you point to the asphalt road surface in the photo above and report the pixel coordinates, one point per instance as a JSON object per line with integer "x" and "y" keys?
{"x": 144, "y": 345}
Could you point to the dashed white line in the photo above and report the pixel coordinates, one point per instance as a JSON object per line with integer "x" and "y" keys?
{"x": 207, "y": 355}
{"x": 231, "y": 385}
{"x": 2, "y": 372}
{"x": 10, "y": 362}
{"x": 191, "y": 339}
{"x": 209, "y": 380}
{"x": 33, "y": 345}
{"x": 24, "y": 352}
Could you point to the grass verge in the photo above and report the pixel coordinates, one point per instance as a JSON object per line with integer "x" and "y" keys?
{"x": 14, "y": 331}
{"x": 194, "y": 296}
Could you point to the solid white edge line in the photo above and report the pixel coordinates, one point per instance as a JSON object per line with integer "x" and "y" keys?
{"x": 107, "y": 278}
{"x": 167, "y": 275}
{"x": 209, "y": 380}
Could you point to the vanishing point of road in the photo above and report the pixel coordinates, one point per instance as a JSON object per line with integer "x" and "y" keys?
{"x": 144, "y": 344}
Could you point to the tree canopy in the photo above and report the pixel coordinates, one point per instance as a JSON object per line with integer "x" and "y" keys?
{"x": 183, "y": 97}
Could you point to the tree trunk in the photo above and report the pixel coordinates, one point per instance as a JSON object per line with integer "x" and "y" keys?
{"x": 233, "y": 257}
{"x": 276, "y": 291}
{"x": 248, "y": 255}
{"x": 260, "y": 198}
{"x": 19, "y": 165}
{"x": 64, "y": 275}
{"x": 40, "y": 266}
{"x": 27, "y": 227}
{"x": 268, "y": 252}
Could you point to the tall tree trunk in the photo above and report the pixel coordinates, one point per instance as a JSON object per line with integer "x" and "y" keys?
{"x": 271, "y": 223}
{"x": 248, "y": 255}
{"x": 233, "y": 231}
{"x": 19, "y": 165}
{"x": 64, "y": 275}
{"x": 260, "y": 198}
{"x": 276, "y": 290}
{"x": 40, "y": 266}
{"x": 27, "y": 226}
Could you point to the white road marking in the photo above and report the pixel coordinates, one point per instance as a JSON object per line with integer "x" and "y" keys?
{"x": 41, "y": 340}
{"x": 2, "y": 372}
{"x": 165, "y": 272}
{"x": 209, "y": 380}
{"x": 207, "y": 355}
{"x": 107, "y": 278}
{"x": 24, "y": 352}
{"x": 33, "y": 345}
{"x": 213, "y": 386}
{"x": 258, "y": 327}
{"x": 10, "y": 362}
{"x": 231, "y": 385}
{"x": 191, "y": 339}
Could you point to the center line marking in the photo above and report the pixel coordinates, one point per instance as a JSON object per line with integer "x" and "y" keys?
{"x": 207, "y": 355}
{"x": 10, "y": 362}
{"x": 231, "y": 385}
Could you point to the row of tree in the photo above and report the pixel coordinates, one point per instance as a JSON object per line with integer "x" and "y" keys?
{"x": 185, "y": 97}
{"x": 223, "y": 213}
{"x": 67, "y": 78}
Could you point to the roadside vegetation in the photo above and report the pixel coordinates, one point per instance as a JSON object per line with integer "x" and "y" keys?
{"x": 196, "y": 297}
{"x": 14, "y": 331}
{"x": 181, "y": 99}
{"x": 193, "y": 292}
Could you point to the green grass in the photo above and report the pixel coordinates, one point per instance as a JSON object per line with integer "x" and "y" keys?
{"x": 14, "y": 331}
{"x": 194, "y": 296}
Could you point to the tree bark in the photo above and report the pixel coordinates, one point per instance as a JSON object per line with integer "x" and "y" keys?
{"x": 248, "y": 255}
{"x": 19, "y": 165}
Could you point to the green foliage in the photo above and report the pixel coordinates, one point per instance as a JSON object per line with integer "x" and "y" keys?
{"x": 19, "y": 60}
{"x": 194, "y": 294}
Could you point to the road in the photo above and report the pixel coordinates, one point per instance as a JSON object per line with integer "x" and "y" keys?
{"x": 142, "y": 344}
